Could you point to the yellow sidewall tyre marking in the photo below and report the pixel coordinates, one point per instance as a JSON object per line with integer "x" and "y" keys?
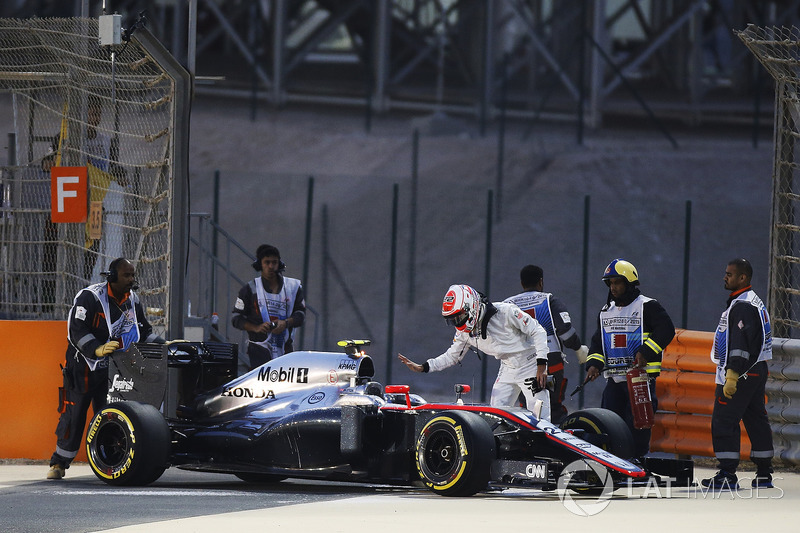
{"x": 99, "y": 421}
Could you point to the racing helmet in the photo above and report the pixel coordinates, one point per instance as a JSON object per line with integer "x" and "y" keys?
{"x": 461, "y": 307}
{"x": 619, "y": 268}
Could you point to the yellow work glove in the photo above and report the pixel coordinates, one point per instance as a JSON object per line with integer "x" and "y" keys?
{"x": 582, "y": 353}
{"x": 729, "y": 389}
{"x": 105, "y": 349}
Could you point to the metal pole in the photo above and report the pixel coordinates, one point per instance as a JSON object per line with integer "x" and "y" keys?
{"x": 12, "y": 150}
{"x": 278, "y": 49}
{"x": 486, "y": 280}
{"x": 412, "y": 238}
{"x": 191, "y": 59}
{"x": 177, "y": 30}
{"x": 214, "y": 242}
{"x": 255, "y": 24}
{"x": 392, "y": 269}
{"x": 585, "y": 290}
{"x": 324, "y": 276}
{"x": 501, "y": 137}
{"x": 581, "y": 72}
{"x": 687, "y": 243}
{"x": 307, "y": 248}
{"x": 488, "y": 65}
{"x": 368, "y": 73}
{"x": 380, "y": 59}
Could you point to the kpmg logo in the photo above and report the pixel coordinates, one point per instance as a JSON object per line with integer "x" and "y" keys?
{"x": 347, "y": 364}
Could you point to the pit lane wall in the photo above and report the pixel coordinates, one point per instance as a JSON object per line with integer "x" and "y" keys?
{"x": 33, "y": 350}
{"x": 30, "y": 356}
{"x": 685, "y": 393}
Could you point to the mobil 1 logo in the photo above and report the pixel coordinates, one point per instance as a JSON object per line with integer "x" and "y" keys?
{"x": 281, "y": 375}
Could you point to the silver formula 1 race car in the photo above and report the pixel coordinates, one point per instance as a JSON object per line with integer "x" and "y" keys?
{"x": 321, "y": 415}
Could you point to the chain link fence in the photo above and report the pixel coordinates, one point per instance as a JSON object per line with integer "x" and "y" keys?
{"x": 112, "y": 110}
{"x": 778, "y": 49}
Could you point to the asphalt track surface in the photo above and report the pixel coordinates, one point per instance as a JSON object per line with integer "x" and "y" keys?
{"x": 195, "y": 502}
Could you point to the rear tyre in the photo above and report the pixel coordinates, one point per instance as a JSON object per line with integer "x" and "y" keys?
{"x": 128, "y": 443}
{"x": 454, "y": 453}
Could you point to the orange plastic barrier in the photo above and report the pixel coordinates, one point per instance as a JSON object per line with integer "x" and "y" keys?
{"x": 31, "y": 354}
{"x": 685, "y": 392}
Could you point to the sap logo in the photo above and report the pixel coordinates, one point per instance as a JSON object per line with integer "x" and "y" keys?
{"x": 292, "y": 375}
{"x": 316, "y": 397}
{"x": 247, "y": 392}
{"x": 347, "y": 364}
{"x": 536, "y": 471}
{"x": 121, "y": 385}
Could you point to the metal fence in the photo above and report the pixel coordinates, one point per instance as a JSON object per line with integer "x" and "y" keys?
{"x": 120, "y": 112}
{"x": 778, "y": 49}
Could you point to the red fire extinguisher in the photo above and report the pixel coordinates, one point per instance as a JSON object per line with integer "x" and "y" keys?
{"x": 641, "y": 404}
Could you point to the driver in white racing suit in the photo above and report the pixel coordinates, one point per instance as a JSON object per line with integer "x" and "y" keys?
{"x": 504, "y": 331}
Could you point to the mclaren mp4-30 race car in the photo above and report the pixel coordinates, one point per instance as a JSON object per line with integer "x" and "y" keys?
{"x": 321, "y": 415}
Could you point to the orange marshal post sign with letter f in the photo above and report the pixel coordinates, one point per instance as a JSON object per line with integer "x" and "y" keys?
{"x": 68, "y": 189}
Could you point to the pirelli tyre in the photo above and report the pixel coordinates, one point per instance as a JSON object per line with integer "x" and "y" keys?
{"x": 454, "y": 453}
{"x": 607, "y": 430}
{"x": 603, "y": 428}
{"x": 128, "y": 444}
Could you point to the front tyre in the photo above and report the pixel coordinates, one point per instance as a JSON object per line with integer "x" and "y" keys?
{"x": 454, "y": 453}
{"x": 128, "y": 444}
{"x": 603, "y": 428}
{"x": 607, "y": 430}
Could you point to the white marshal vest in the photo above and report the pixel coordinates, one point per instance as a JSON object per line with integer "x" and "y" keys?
{"x": 622, "y": 335}
{"x": 125, "y": 327}
{"x": 276, "y": 307}
{"x": 537, "y": 304}
{"x": 719, "y": 350}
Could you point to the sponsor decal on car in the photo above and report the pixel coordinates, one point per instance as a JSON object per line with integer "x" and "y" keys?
{"x": 121, "y": 384}
{"x": 291, "y": 374}
{"x": 247, "y": 392}
{"x": 348, "y": 364}
{"x": 316, "y": 397}
{"x": 536, "y": 471}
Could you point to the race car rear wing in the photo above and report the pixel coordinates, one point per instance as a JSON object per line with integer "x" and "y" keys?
{"x": 169, "y": 376}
